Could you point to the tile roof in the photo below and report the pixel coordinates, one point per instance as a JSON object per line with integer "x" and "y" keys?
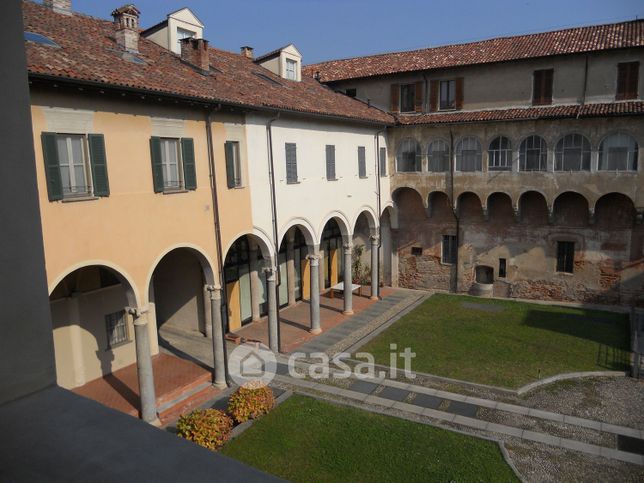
{"x": 88, "y": 54}
{"x": 527, "y": 113}
{"x": 568, "y": 41}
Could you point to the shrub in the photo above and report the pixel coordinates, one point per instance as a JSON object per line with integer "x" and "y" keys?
{"x": 250, "y": 401}
{"x": 209, "y": 428}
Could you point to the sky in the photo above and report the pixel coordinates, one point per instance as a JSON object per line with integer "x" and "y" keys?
{"x": 332, "y": 29}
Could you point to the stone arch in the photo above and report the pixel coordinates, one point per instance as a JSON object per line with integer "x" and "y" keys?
{"x": 570, "y": 208}
{"x": 614, "y": 211}
{"x": 469, "y": 207}
{"x": 500, "y": 208}
{"x": 304, "y": 226}
{"x": 263, "y": 241}
{"x": 533, "y": 208}
{"x": 343, "y": 223}
{"x": 410, "y": 206}
{"x": 439, "y": 206}
{"x": 372, "y": 219}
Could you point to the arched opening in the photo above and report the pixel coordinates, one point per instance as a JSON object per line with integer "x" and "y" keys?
{"x": 469, "y": 208}
{"x": 246, "y": 296}
{"x": 469, "y": 155}
{"x": 409, "y": 205}
{"x": 386, "y": 247}
{"x": 177, "y": 290}
{"x": 533, "y": 208}
{"x": 438, "y": 156}
{"x": 500, "y": 211}
{"x": 364, "y": 228}
{"x": 332, "y": 260}
{"x": 500, "y": 154}
{"x": 533, "y": 154}
{"x": 618, "y": 152}
{"x": 408, "y": 156}
{"x": 570, "y": 209}
{"x": 572, "y": 153}
{"x": 614, "y": 211}
{"x": 294, "y": 277}
{"x": 440, "y": 208}
{"x": 93, "y": 333}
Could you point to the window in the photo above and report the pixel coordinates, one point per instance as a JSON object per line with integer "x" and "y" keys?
{"x": 542, "y": 87}
{"x": 572, "y": 153}
{"x": 627, "y": 80}
{"x": 362, "y": 162}
{"x": 500, "y": 154}
{"x": 75, "y": 165}
{"x": 291, "y": 69}
{"x": 449, "y": 249}
{"x": 233, "y": 164}
{"x": 173, "y": 164}
{"x": 533, "y": 154}
{"x": 383, "y": 161}
{"x": 502, "y": 268}
{"x": 408, "y": 157}
{"x": 469, "y": 155}
{"x": 116, "y": 326}
{"x": 618, "y": 152}
{"x": 448, "y": 94}
{"x": 565, "y": 256}
{"x": 407, "y": 97}
{"x": 183, "y": 34}
{"x": 417, "y": 251}
{"x": 351, "y": 92}
{"x": 291, "y": 162}
{"x": 330, "y": 162}
{"x": 438, "y": 156}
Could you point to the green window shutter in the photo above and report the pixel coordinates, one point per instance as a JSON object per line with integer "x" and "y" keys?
{"x": 188, "y": 157}
{"x": 157, "y": 167}
{"x": 230, "y": 164}
{"x": 98, "y": 162}
{"x": 52, "y": 167}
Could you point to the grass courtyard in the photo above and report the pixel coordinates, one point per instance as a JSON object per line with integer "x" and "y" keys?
{"x": 505, "y": 343}
{"x": 304, "y": 439}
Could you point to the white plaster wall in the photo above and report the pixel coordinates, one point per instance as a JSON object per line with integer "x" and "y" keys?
{"x": 313, "y": 199}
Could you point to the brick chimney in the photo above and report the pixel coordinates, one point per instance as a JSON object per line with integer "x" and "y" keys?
{"x": 126, "y": 19}
{"x": 247, "y": 51}
{"x": 195, "y": 52}
{"x": 59, "y": 6}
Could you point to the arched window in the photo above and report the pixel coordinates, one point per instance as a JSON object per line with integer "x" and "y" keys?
{"x": 618, "y": 152}
{"x": 533, "y": 154}
{"x": 500, "y": 154}
{"x": 438, "y": 156}
{"x": 572, "y": 153}
{"x": 469, "y": 155}
{"x": 408, "y": 156}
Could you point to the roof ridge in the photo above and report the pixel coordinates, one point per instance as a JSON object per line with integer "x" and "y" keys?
{"x": 503, "y": 37}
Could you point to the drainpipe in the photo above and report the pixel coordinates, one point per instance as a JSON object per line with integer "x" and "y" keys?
{"x": 271, "y": 176}
{"x": 583, "y": 95}
{"x": 215, "y": 214}
{"x": 456, "y": 214}
{"x": 426, "y": 99}
{"x": 379, "y": 197}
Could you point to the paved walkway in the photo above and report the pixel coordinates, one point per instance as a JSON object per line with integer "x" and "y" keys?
{"x": 463, "y": 411}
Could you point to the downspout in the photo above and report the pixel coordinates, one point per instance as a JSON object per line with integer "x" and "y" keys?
{"x": 426, "y": 98}
{"x": 456, "y": 214}
{"x": 216, "y": 219}
{"x": 583, "y": 95}
{"x": 378, "y": 193}
{"x": 271, "y": 176}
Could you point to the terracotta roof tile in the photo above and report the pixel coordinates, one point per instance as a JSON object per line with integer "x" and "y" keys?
{"x": 527, "y": 113}
{"x": 569, "y": 41}
{"x": 88, "y": 53}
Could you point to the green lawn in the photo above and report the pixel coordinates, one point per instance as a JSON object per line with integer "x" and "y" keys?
{"x": 518, "y": 344}
{"x": 309, "y": 440}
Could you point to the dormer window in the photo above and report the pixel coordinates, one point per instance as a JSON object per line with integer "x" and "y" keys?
{"x": 291, "y": 69}
{"x": 183, "y": 34}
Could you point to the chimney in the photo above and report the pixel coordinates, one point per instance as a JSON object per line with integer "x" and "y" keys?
{"x": 195, "y": 52}
{"x": 126, "y": 19}
{"x": 59, "y": 6}
{"x": 247, "y": 51}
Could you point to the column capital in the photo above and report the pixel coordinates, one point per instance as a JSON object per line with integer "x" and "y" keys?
{"x": 138, "y": 314}
{"x": 270, "y": 273}
{"x": 375, "y": 239}
{"x": 313, "y": 259}
{"x": 348, "y": 248}
{"x": 213, "y": 288}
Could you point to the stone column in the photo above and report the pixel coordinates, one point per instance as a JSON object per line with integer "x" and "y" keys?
{"x": 255, "y": 282}
{"x": 314, "y": 266}
{"x": 290, "y": 267}
{"x": 348, "y": 282}
{"x": 144, "y": 366}
{"x": 273, "y": 330}
{"x": 375, "y": 269}
{"x": 218, "y": 342}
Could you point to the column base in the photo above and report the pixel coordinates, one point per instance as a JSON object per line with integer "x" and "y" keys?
{"x": 315, "y": 331}
{"x": 347, "y": 312}
{"x": 374, "y": 297}
{"x": 156, "y": 422}
{"x": 220, "y": 385}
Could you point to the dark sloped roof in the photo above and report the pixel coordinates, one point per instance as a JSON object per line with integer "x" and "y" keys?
{"x": 88, "y": 53}
{"x": 528, "y": 113}
{"x": 568, "y": 41}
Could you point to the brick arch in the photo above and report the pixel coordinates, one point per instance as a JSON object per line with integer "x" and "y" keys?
{"x": 570, "y": 208}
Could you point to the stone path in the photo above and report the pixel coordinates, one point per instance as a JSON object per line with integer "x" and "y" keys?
{"x": 463, "y": 411}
